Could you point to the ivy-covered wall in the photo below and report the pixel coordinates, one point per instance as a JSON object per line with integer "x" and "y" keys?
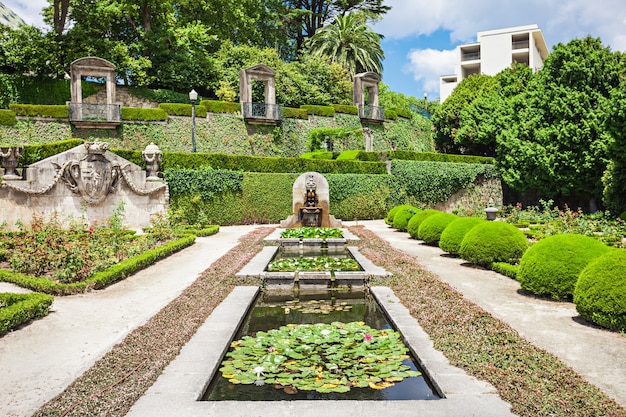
{"x": 228, "y": 197}
{"x": 226, "y": 133}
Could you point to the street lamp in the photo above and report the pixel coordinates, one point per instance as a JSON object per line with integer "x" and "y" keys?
{"x": 193, "y": 96}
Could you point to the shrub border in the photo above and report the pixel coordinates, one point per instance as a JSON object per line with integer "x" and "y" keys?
{"x": 22, "y": 308}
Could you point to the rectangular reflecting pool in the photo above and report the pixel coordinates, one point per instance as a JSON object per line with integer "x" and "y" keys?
{"x": 335, "y": 312}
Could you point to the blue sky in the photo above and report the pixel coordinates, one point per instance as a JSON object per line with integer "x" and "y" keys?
{"x": 420, "y": 35}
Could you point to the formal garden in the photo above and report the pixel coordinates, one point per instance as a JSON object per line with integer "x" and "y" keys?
{"x": 543, "y": 152}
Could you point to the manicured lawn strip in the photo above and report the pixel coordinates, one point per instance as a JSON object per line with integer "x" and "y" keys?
{"x": 533, "y": 381}
{"x": 115, "y": 382}
{"x": 99, "y": 279}
{"x": 18, "y": 309}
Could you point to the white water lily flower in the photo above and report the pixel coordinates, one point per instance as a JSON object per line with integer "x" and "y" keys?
{"x": 259, "y": 371}
{"x": 325, "y": 332}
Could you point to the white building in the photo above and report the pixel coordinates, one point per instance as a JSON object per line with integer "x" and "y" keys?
{"x": 9, "y": 18}
{"x": 494, "y": 51}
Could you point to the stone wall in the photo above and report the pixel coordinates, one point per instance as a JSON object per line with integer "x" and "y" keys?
{"x": 121, "y": 96}
{"x": 475, "y": 197}
{"x": 83, "y": 183}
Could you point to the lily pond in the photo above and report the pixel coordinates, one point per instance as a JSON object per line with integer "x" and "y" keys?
{"x": 333, "y": 345}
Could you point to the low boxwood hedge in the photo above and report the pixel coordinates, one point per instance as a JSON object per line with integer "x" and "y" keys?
{"x": 144, "y": 114}
{"x": 505, "y": 269}
{"x": 452, "y": 236}
{"x": 431, "y": 228}
{"x": 551, "y": 266}
{"x": 100, "y": 279}
{"x": 599, "y": 292}
{"x": 392, "y": 213}
{"x": 402, "y": 217}
{"x": 18, "y": 309}
{"x": 325, "y": 111}
{"x": 35, "y": 153}
{"x": 346, "y": 109}
{"x": 216, "y": 106}
{"x": 7, "y": 117}
{"x": 293, "y": 113}
{"x": 181, "y": 109}
{"x": 55, "y": 111}
{"x": 391, "y": 114}
{"x": 438, "y": 157}
{"x": 493, "y": 241}
{"x": 416, "y": 221}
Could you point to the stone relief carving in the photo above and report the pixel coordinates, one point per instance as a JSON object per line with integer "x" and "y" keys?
{"x": 93, "y": 177}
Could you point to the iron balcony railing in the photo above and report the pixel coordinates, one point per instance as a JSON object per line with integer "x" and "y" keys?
{"x": 261, "y": 111}
{"x": 87, "y": 112}
{"x": 372, "y": 113}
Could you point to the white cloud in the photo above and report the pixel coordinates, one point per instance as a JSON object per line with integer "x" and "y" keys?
{"x": 29, "y": 10}
{"x": 427, "y": 65}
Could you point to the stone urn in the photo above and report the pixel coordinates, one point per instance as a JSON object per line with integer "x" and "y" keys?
{"x": 152, "y": 155}
{"x": 10, "y": 155}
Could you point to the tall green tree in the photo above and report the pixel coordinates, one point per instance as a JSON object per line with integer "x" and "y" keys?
{"x": 351, "y": 42}
{"x": 447, "y": 118}
{"x": 557, "y": 142}
{"x": 307, "y": 16}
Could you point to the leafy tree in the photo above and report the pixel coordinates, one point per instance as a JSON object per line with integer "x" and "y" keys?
{"x": 557, "y": 143}
{"x": 349, "y": 41}
{"x": 488, "y": 115}
{"x": 447, "y": 118}
{"x": 307, "y": 16}
{"x": 614, "y": 179}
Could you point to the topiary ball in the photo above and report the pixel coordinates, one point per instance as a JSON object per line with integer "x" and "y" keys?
{"x": 402, "y": 217}
{"x": 393, "y": 211}
{"x": 600, "y": 292}
{"x": 493, "y": 241}
{"x": 416, "y": 221}
{"x": 551, "y": 266}
{"x": 431, "y": 228}
{"x": 453, "y": 234}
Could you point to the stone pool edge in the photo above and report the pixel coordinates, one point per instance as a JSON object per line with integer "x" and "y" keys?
{"x": 184, "y": 380}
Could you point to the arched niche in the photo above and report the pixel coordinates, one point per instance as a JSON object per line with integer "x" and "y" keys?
{"x": 268, "y": 111}
{"x": 370, "y": 111}
{"x": 109, "y": 112}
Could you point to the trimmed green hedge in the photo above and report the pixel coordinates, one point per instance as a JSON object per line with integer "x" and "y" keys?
{"x": 452, "y": 236}
{"x": 416, "y": 221}
{"x": 392, "y": 213}
{"x": 325, "y": 111}
{"x": 599, "y": 293}
{"x": 216, "y": 106}
{"x": 293, "y": 113}
{"x": 431, "y": 228}
{"x": 142, "y": 113}
{"x": 439, "y": 157}
{"x": 506, "y": 269}
{"x": 7, "y": 117}
{"x": 346, "y": 109}
{"x": 35, "y": 153}
{"x": 318, "y": 155}
{"x": 55, "y": 111}
{"x": 551, "y": 266}
{"x": 401, "y": 218}
{"x": 180, "y": 109}
{"x": 100, "y": 279}
{"x": 493, "y": 241}
{"x": 406, "y": 113}
{"x": 18, "y": 309}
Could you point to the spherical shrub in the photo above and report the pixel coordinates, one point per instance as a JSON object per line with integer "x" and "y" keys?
{"x": 402, "y": 217}
{"x": 453, "y": 234}
{"x": 551, "y": 266}
{"x": 416, "y": 221}
{"x": 431, "y": 228}
{"x": 600, "y": 293}
{"x": 393, "y": 211}
{"x": 493, "y": 241}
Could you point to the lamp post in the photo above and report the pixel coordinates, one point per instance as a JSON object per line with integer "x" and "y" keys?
{"x": 193, "y": 96}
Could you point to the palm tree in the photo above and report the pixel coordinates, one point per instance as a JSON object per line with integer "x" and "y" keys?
{"x": 349, "y": 41}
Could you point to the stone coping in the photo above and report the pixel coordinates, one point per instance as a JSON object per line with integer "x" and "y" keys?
{"x": 274, "y": 237}
{"x": 183, "y": 382}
